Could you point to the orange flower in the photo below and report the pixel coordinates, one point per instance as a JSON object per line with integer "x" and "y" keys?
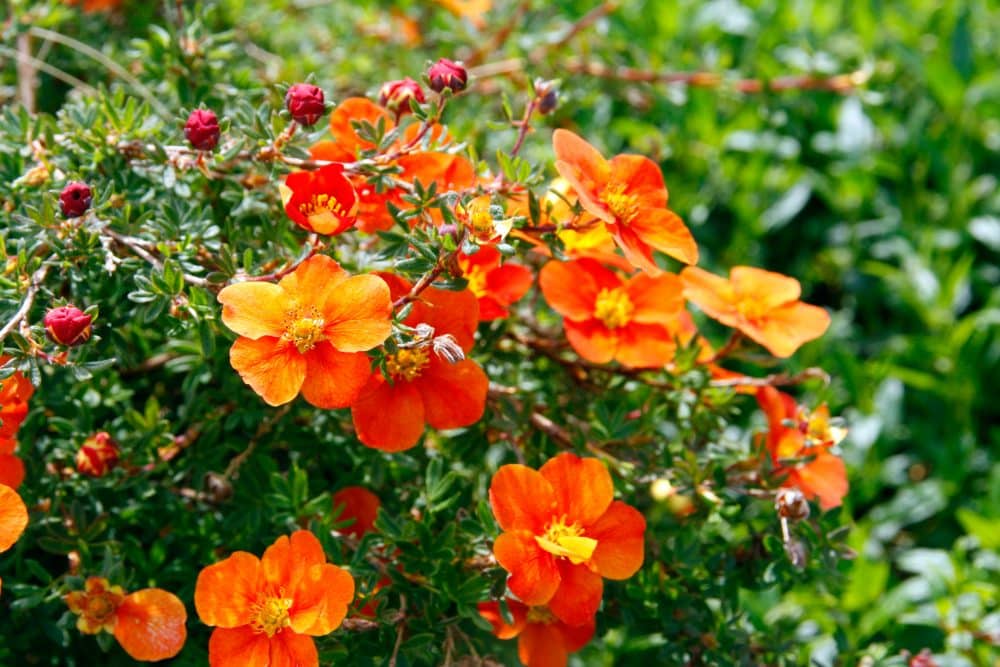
{"x": 801, "y": 451}
{"x": 607, "y": 317}
{"x": 321, "y": 201}
{"x": 629, "y": 195}
{"x": 96, "y": 5}
{"x": 307, "y": 333}
{"x": 763, "y": 305}
{"x": 359, "y": 506}
{"x": 11, "y": 465}
{"x": 149, "y": 624}
{"x": 468, "y": 9}
{"x": 542, "y": 639}
{"x": 477, "y": 216}
{"x": 14, "y": 394}
{"x": 423, "y": 388}
{"x": 563, "y": 531}
{"x": 496, "y": 286}
{"x": 13, "y": 518}
{"x": 266, "y": 611}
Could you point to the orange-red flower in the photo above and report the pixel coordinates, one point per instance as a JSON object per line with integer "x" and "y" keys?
{"x": 799, "y": 442}
{"x": 563, "y": 532}
{"x": 763, "y": 305}
{"x": 149, "y": 624}
{"x": 542, "y": 639}
{"x": 628, "y": 194}
{"x": 472, "y": 10}
{"x": 13, "y": 518}
{"x": 607, "y": 317}
{"x": 321, "y": 201}
{"x": 96, "y": 5}
{"x": 14, "y": 394}
{"x": 98, "y": 455}
{"x": 307, "y": 333}
{"x": 496, "y": 286}
{"x": 266, "y": 611}
{"x": 356, "y": 505}
{"x": 423, "y": 388}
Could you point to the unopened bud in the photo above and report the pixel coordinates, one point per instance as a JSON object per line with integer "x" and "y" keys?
{"x": 447, "y": 348}
{"x": 97, "y": 456}
{"x": 67, "y": 325}
{"x": 202, "y": 129}
{"x": 396, "y": 95}
{"x": 791, "y": 504}
{"x": 306, "y": 103}
{"x": 923, "y": 659}
{"x": 447, "y": 74}
{"x": 75, "y": 199}
{"x": 218, "y": 488}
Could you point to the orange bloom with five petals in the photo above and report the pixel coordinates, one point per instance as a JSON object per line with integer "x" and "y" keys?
{"x": 563, "y": 532}
{"x": 309, "y": 332}
{"x": 762, "y": 304}
{"x": 610, "y": 318}
{"x": 267, "y": 610}
{"x": 496, "y": 285}
{"x": 149, "y": 624}
{"x": 628, "y": 194}
{"x": 542, "y": 639}
{"x": 321, "y": 201}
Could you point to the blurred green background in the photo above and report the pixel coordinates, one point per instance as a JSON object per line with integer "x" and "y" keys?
{"x": 882, "y": 200}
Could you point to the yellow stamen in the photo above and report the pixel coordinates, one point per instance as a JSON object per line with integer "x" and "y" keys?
{"x": 751, "y": 309}
{"x": 270, "y": 615}
{"x": 567, "y": 541}
{"x": 476, "y": 278}
{"x": 323, "y": 208}
{"x": 622, "y": 205}
{"x": 304, "y": 328}
{"x": 613, "y": 307}
{"x": 407, "y": 364}
{"x": 541, "y": 615}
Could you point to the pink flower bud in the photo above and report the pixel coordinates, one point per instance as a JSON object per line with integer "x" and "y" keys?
{"x": 447, "y": 74}
{"x": 67, "y": 325}
{"x": 202, "y": 129}
{"x": 396, "y": 95}
{"x": 306, "y": 103}
{"x": 97, "y": 456}
{"x": 75, "y": 199}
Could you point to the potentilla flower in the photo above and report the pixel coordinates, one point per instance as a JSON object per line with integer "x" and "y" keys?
{"x": 306, "y": 103}
{"x": 542, "y": 639}
{"x": 798, "y": 443}
{"x": 14, "y": 394}
{"x": 422, "y": 388}
{"x": 396, "y": 95}
{"x": 321, "y": 201}
{"x": 358, "y": 506}
{"x": 13, "y": 518}
{"x": 628, "y": 194}
{"x": 447, "y": 74}
{"x": 607, "y": 317}
{"x": 67, "y": 325}
{"x": 496, "y": 285}
{"x": 149, "y": 624}
{"x": 202, "y": 129}
{"x": 307, "y": 333}
{"x": 11, "y": 465}
{"x": 563, "y": 532}
{"x": 763, "y": 305}
{"x": 478, "y": 217}
{"x": 97, "y": 456}
{"x": 266, "y": 611}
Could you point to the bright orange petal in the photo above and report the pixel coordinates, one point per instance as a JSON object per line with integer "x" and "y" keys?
{"x": 272, "y": 367}
{"x": 576, "y": 600}
{"x": 582, "y": 486}
{"x": 287, "y": 561}
{"x": 825, "y": 477}
{"x": 13, "y": 517}
{"x": 655, "y": 299}
{"x": 644, "y": 346}
{"x": 345, "y": 138}
{"x": 592, "y": 340}
{"x": 767, "y": 288}
{"x": 636, "y": 250}
{"x": 239, "y": 647}
{"x": 509, "y": 283}
{"x": 289, "y": 649}
{"x": 389, "y": 417}
{"x": 620, "y": 535}
{"x": 522, "y": 499}
{"x": 315, "y": 282}
{"x": 534, "y": 575}
{"x": 360, "y": 318}
{"x": 334, "y": 379}
{"x": 11, "y": 470}
{"x": 226, "y": 591}
{"x": 359, "y": 505}
{"x": 491, "y": 612}
{"x": 584, "y": 168}
{"x": 575, "y": 637}
{"x": 150, "y": 625}
{"x": 449, "y": 312}
{"x": 321, "y": 600}
{"x": 254, "y": 309}
{"x": 663, "y": 230}
{"x": 571, "y": 288}
{"x": 642, "y": 179}
{"x": 542, "y": 645}
{"x": 712, "y": 293}
{"x": 454, "y": 395}
{"x": 783, "y": 330}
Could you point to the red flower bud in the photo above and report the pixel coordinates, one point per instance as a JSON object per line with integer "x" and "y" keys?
{"x": 548, "y": 102}
{"x": 447, "y": 74}
{"x": 202, "y": 129}
{"x": 923, "y": 659}
{"x": 395, "y": 95}
{"x": 75, "y": 199}
{"x": 97, "y": 455}
{"x": 67, "y": 325}
{"x": 306, "y": 103}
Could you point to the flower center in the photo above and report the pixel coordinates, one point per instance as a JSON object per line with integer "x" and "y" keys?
{"x": 304, "y": 328}
{"x": 96, "y": 605}
{"x": 751, "y": 309}
{"x": 481, "y": 221}
{"x": 476, "y": 278}
{"x": 613, "y": 307}
{"x": 407, "y": 364}
{"x": 271, "y": 615}
{"x": 622, "y": 205}
{"x": 323, "y": 208}
{"x": 567, "y": 541}
{"x": 541, "y": 615}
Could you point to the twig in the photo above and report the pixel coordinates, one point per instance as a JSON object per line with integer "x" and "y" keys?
{"x": 525, "y": 126}
{"x": 26, "y": 80}
{"x": 774, "y": 380}
{"x": 37, "y": 278}
{"x": 54, "y": 72}
{"x": 136, "y": 246}
{"x": 500, "y": 36}
{"x": 314, "y": 246}
{"x": 581, "y": 24}
{"x": 399, "y": 632}
{"x": 422, "y": 284}
{"x": 233, "y": 469}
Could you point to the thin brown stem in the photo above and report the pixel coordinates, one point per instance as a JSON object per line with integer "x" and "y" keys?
{"x": 34, "y": 284}
{"x": 399, "y": 632}
{"x": 138, "y": 247}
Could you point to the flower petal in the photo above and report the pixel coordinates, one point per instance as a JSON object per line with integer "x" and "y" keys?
{"x": 286, "y": 562}
{"x": 825, "y": 477}
{"x": 655, "y": 299}
{"x": 360, "y": 317}
{"x": 534, "y": 575}
{"x": 508, "y": 283}
{"x": 575, "y": 637}
{"x": 13, "y": 517}
{"x": 454, "y": 395}
{"x": 644, "y": 345}
{"x": 578, "y": 597}
{"x": 334, "y": 379}
{"x": 636, "y": 251}
{"x": 358, "y": 505}
{"x": 254, "y": 309}
{"x": 712, "y": 293}
{"x": 620, "y": 535}
{"x": 642, "y": 178}
{"x": 592, "y": 340}
{"x": 321, "y": 600}
{"x": 582, "y": 487}
{"x": 542, "y": 645}
{"x": 522, "y": 499}
{"x": 11, "y": 470}
{"x": 150, "y": 625}
{"x": 289, "y": 649}
{"x": 272, "y": 367}
{"x": 226, "y": 591}
{"x": 491, "y": 612}
{"x": 449, "y": 312}
{"x": 571, "y": 288}
{"x": 584, "y": 168}
{"x": 239, "y": 647}
{"x": 389, "y": 417}
{"x": 314, "y": 282}
{"x": 663, "y": 230}
{"x": 767, "y": 288}
{"x": 783, "y": 330}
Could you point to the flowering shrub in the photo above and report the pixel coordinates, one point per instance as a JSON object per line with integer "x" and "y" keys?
{"x": 458, "y": 377}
